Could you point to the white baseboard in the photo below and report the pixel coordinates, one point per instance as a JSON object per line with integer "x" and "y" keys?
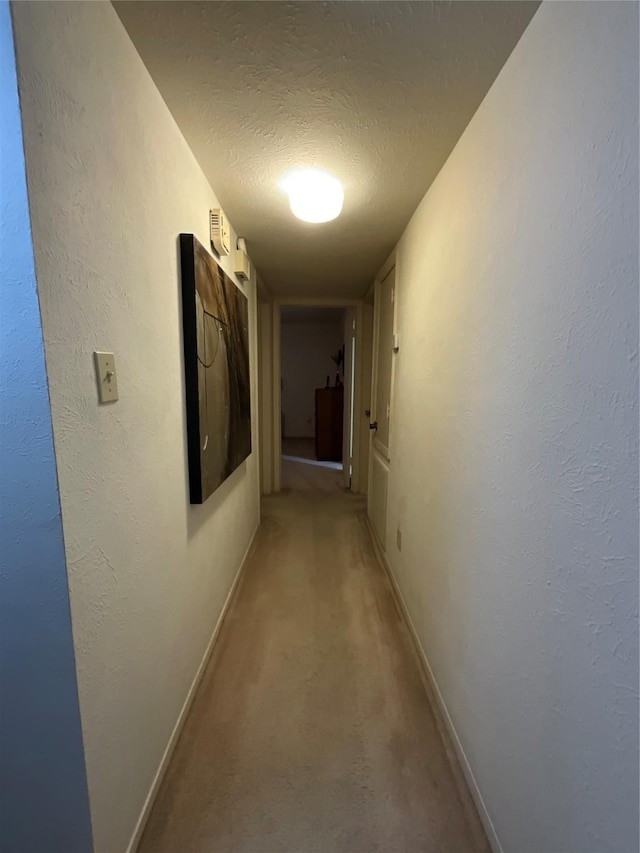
{"x": 182, "y": 716}
{"x": 441, "y": 708}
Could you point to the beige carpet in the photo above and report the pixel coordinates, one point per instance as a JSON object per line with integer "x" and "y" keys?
{"x": 303, "y": 448}
{"x": 307, "y": 477}
{"x": 311, "y": 731}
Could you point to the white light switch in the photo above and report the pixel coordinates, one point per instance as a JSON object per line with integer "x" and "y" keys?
{"x": 106, "y": 375}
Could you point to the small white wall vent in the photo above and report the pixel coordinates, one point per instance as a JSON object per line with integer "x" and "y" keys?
{"x": 220, "y": 231}
{"x": 241, "y": 265}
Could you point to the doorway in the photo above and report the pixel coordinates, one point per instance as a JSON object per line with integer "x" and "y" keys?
{"x": 312, "y": 395}
{"x": 316, "y": 391}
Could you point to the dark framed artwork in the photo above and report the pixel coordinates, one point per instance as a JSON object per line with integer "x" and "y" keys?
{"x": 216, "y": 361}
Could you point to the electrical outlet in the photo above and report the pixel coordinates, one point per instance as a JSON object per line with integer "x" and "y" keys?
{"x": 399, "y": 539}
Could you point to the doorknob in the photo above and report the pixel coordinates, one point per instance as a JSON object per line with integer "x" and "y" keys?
{"x": 367, "y": 412}
{"x": 374, "y": 425}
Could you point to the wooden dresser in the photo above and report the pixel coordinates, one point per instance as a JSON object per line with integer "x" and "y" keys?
{"x": 329, "y": 412}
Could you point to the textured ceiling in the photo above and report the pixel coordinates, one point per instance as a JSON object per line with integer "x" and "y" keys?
{"x": 377, "y": 93}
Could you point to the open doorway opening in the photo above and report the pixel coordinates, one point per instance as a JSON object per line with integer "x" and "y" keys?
{"x": 316, "y": 396}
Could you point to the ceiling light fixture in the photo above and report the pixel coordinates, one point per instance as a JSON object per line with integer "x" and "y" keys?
{"x": 314, "y": 195}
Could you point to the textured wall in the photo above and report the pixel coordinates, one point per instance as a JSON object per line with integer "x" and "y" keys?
{"x": 306, "y": 362}
{"x": 43, "y": 786}
{"x": 112, "y": 183}
{"x": 514, "y": 465}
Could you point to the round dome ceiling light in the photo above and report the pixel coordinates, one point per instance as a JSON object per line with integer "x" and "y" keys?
{"x": 314, "y": 195}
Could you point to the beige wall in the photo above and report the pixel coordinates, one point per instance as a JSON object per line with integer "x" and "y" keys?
{"x": 112, "y": 183}
{"x": 514, "y": 466}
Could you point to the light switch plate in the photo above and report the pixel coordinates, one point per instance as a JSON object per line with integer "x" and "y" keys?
{"x": 106, "y": 376}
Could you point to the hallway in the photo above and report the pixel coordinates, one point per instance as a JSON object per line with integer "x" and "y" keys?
{"x": 244, "y": 238}
{"x": 311, "y": 729}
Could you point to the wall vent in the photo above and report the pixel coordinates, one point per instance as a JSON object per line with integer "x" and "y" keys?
{"x": 220, "y": 231}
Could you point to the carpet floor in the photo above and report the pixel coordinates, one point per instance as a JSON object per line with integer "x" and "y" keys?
{"x": 307, "y": 476}
{"x": 312, "y": 731}
{"x": 303, "y": 448}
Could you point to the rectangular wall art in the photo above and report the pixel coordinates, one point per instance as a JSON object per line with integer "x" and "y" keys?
{"x": 216, "y": 357}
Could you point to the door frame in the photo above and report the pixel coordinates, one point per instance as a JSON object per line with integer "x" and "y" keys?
{"x": 277, "y": 378}
{"x": 385, "y": 272}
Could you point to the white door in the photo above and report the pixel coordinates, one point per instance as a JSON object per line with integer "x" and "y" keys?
{"x": 381, "y": 385}
{"x": 349, "y": 393}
